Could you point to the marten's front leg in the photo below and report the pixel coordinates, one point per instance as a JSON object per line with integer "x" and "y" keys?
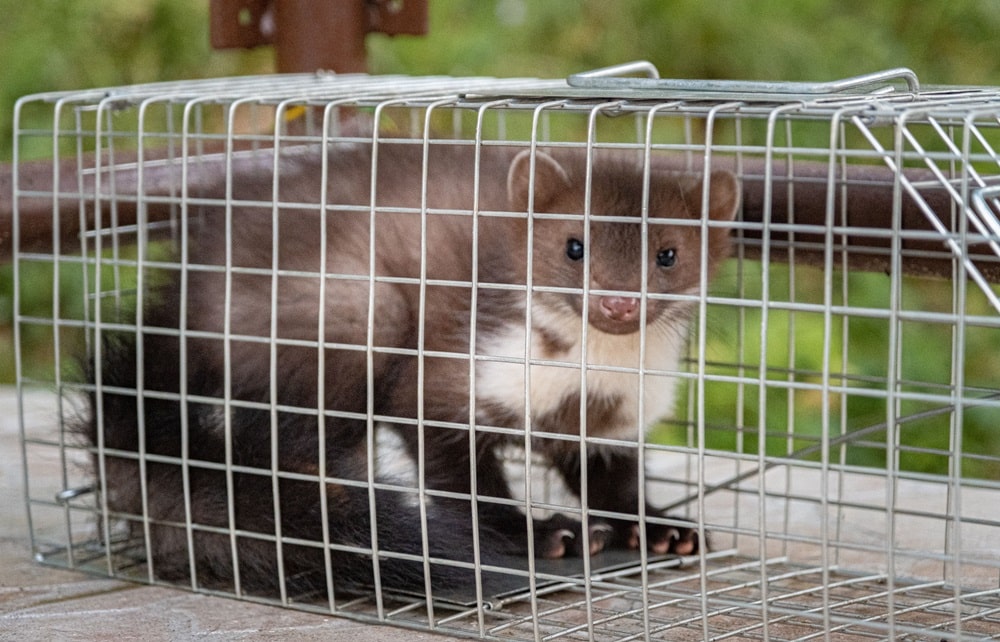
{"x": 448, "y": 469}
{"x": 613, "y": 485}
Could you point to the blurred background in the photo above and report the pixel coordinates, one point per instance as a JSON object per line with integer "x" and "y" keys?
{"x": 68, "y": 44}
{"x": 71, "y": 44}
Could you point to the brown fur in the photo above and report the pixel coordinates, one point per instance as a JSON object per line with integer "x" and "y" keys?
{"x": 275, "y": 385}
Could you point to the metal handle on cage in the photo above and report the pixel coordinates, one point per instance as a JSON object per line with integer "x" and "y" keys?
{"x": 612, "y": 78}
{"x": 981, "y": 199}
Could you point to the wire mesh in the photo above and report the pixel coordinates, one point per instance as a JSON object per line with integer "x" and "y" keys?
{"x": 834, "y": 427}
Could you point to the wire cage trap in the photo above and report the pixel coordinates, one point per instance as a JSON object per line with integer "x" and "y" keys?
{"x": 829, "y": 386}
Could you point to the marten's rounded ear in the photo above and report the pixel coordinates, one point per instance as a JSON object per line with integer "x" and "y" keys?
{"x": 723, "y": 194}
{"x": 550, "y": 180}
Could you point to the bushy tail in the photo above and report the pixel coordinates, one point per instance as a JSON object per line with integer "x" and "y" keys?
{"x": 217, "y": 507}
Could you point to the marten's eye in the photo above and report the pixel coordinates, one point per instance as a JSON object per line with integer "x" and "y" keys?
{"x": 666, "y": 258}
{"x": 574, "y": 249}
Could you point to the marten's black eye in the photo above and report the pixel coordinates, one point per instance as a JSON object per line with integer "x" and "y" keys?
{"x": 574, "y": 249}
{"x": 666, "y": 258}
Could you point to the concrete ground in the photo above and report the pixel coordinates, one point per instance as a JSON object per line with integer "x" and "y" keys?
{"x": 50, "y": 604}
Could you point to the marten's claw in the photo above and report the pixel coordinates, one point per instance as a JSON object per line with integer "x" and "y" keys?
{"x": 558, "y": 543}
{"x": 553, "y": 544}
{"x": 601, "y": 535}
{"x": 664, "y": 539}
{"x": 554, "y": 536}
{"x": 561, "y": 536}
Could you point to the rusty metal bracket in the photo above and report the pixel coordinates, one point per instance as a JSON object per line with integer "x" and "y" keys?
{"x": 309, "y": 35}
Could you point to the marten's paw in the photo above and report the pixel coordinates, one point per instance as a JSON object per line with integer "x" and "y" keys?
{"x": 562, "y": 536}
{"x": 663, "y": 539}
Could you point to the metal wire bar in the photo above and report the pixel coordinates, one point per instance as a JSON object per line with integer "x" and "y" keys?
{"x": 830, "y": 444}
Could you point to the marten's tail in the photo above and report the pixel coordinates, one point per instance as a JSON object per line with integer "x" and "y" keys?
{"x": 193, "y": 479}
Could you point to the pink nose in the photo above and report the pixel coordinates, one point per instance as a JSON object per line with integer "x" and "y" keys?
{"x": 620, "y": 308}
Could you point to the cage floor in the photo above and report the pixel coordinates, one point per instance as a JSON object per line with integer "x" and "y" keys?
{"x": 746, "y": 599}
{"x": 38, "y": 601}
{"x": 856, "y": 607}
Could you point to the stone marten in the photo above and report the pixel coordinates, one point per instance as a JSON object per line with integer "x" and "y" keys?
{"x": 302, "y": 314}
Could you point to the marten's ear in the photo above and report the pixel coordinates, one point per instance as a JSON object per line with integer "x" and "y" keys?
{"x": 550, "y": 180}
{"x": 723, "y": 195}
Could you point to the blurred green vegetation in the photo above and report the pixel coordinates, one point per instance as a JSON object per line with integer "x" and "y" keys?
{"x": 71, "y": 44}
{"x": 68, "y": 44}
{"x": 858, "y": 359}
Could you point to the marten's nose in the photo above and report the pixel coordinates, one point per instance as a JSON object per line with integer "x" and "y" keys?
{"x": 620, "y": 308}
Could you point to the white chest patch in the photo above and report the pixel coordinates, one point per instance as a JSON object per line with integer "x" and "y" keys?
{"x": 612, "y": 371}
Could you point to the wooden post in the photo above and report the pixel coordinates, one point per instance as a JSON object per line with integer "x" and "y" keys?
{"x": 309, "y": 35}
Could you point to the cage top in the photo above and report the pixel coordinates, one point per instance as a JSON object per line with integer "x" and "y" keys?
{"x": 887, "y": 91}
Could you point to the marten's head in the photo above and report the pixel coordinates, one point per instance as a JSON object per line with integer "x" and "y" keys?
{"x": 619, "y": 246}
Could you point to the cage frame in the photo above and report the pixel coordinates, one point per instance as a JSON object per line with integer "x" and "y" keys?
{"x": 974, "y": 195}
